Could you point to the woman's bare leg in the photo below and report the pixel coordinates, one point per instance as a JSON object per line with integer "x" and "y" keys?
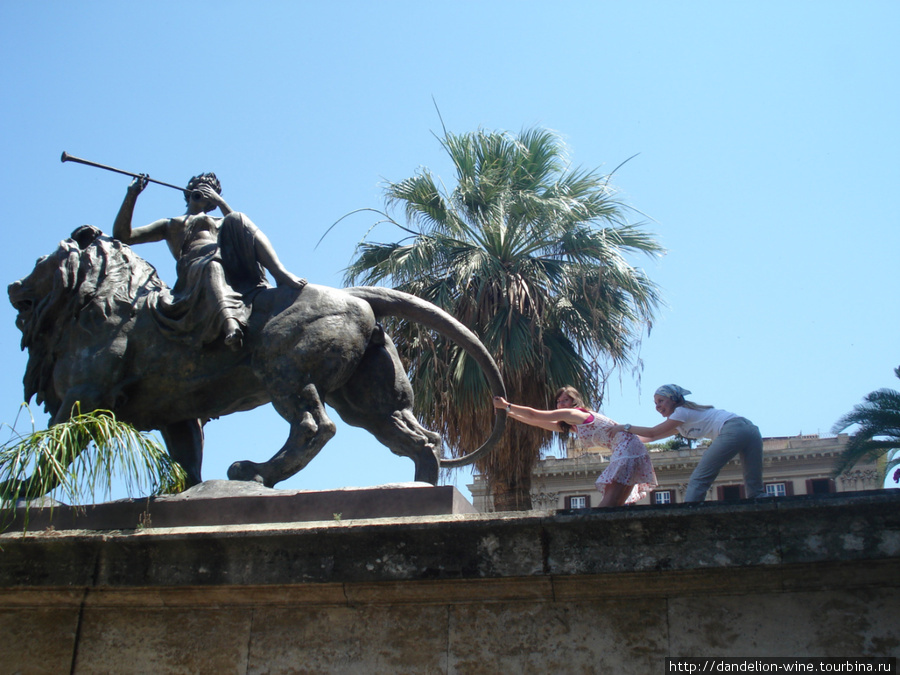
{"x": 615, "y": 494}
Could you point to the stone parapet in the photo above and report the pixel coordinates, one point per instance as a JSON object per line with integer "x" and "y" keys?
{"x": 613, "y": 590}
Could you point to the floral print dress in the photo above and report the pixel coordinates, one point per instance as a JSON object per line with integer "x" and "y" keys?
{"x": 630, "y": 462}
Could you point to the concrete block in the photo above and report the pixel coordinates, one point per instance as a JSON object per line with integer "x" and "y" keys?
{"x": 363, "y": 640}
{"x": 834, "y": 623}
{"x": 162, "y": 640}
{"x": 602, "y": 637}
{"x": 38, "y": 639}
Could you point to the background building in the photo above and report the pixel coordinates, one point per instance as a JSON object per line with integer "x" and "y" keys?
{"x": 792, "y": 465}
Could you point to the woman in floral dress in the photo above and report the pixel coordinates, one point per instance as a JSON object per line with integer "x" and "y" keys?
{"x": 629, "y": 475}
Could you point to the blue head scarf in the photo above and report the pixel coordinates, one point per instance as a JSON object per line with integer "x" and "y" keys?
{"x": 673, "y": 391}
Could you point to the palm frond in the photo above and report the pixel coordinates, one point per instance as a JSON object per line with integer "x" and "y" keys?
{"x": 860, "y": 448}
{"x": 81, "y": 458}
{"x": 878, "y": 419}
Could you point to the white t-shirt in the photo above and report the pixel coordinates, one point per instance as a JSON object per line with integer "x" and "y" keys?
{"x": 706, "y": 423}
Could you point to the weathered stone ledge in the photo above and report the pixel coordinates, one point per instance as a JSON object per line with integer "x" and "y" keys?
{"x": 831, "y": 532}
{"x": 579, "y": 588}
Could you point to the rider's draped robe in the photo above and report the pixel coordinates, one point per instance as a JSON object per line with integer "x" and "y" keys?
{"x": 216, "y": 281}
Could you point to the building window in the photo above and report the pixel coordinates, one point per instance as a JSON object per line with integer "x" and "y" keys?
{"x": 775, "y": 490}
{"x": 578, "y": 502}
{"x": 780, "y": 489}
{"x": 728, "y": 493}
{"x": 662, "y": 497}
{"x": 819, "y": 486}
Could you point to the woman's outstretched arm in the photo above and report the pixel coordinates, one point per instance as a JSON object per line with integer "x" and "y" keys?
{"x": 545, "y": 419}
{"x": 661, "y": 430}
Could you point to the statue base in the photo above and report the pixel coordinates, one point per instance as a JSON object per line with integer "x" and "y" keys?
{"x": 223, "y": 502}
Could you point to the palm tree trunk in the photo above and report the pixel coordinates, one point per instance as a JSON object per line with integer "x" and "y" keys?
{"x": 511, "y": 494}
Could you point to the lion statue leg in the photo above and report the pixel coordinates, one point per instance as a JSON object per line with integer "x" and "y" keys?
{"x": 311, "y": 429}
{"x": 184, "y": 442}
{"x": 378, "y": 398}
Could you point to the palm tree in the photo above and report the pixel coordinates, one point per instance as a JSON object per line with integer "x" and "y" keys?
{"x": 529, "y": 254}
{"x": 878, "y": 418}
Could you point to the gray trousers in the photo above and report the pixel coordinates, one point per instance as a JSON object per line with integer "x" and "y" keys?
{"x": 738, "y": 436}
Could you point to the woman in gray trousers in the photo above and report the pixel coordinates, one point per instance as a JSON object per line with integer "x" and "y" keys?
{"x": 730, "y": 435}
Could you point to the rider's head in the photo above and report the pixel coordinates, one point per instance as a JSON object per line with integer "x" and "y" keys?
{"x": 203, "y": 179}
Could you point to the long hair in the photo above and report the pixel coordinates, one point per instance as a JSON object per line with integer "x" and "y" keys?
{"x": 578, "y": 399}
{"x": 681, "y": 402}
{"x": 690, "y": 405}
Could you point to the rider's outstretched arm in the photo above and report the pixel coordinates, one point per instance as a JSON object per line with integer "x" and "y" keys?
{"x": 122, "y": 229}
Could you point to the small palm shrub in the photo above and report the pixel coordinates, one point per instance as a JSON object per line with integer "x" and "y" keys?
{"x": 81, "y": 458}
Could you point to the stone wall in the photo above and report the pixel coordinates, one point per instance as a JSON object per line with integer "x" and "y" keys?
{"x": 602, "y": 591}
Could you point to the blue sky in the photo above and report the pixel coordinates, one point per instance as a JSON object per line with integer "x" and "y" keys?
{"x": 766, "y": 136}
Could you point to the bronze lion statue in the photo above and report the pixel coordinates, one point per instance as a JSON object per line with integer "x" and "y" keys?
{"x": 86, "y": 321}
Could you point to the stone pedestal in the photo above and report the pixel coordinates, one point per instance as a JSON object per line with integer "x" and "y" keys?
{"x": 224, "y": 502}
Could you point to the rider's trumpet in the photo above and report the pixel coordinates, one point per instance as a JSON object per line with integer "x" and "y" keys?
{"x": 66, "y": 157}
